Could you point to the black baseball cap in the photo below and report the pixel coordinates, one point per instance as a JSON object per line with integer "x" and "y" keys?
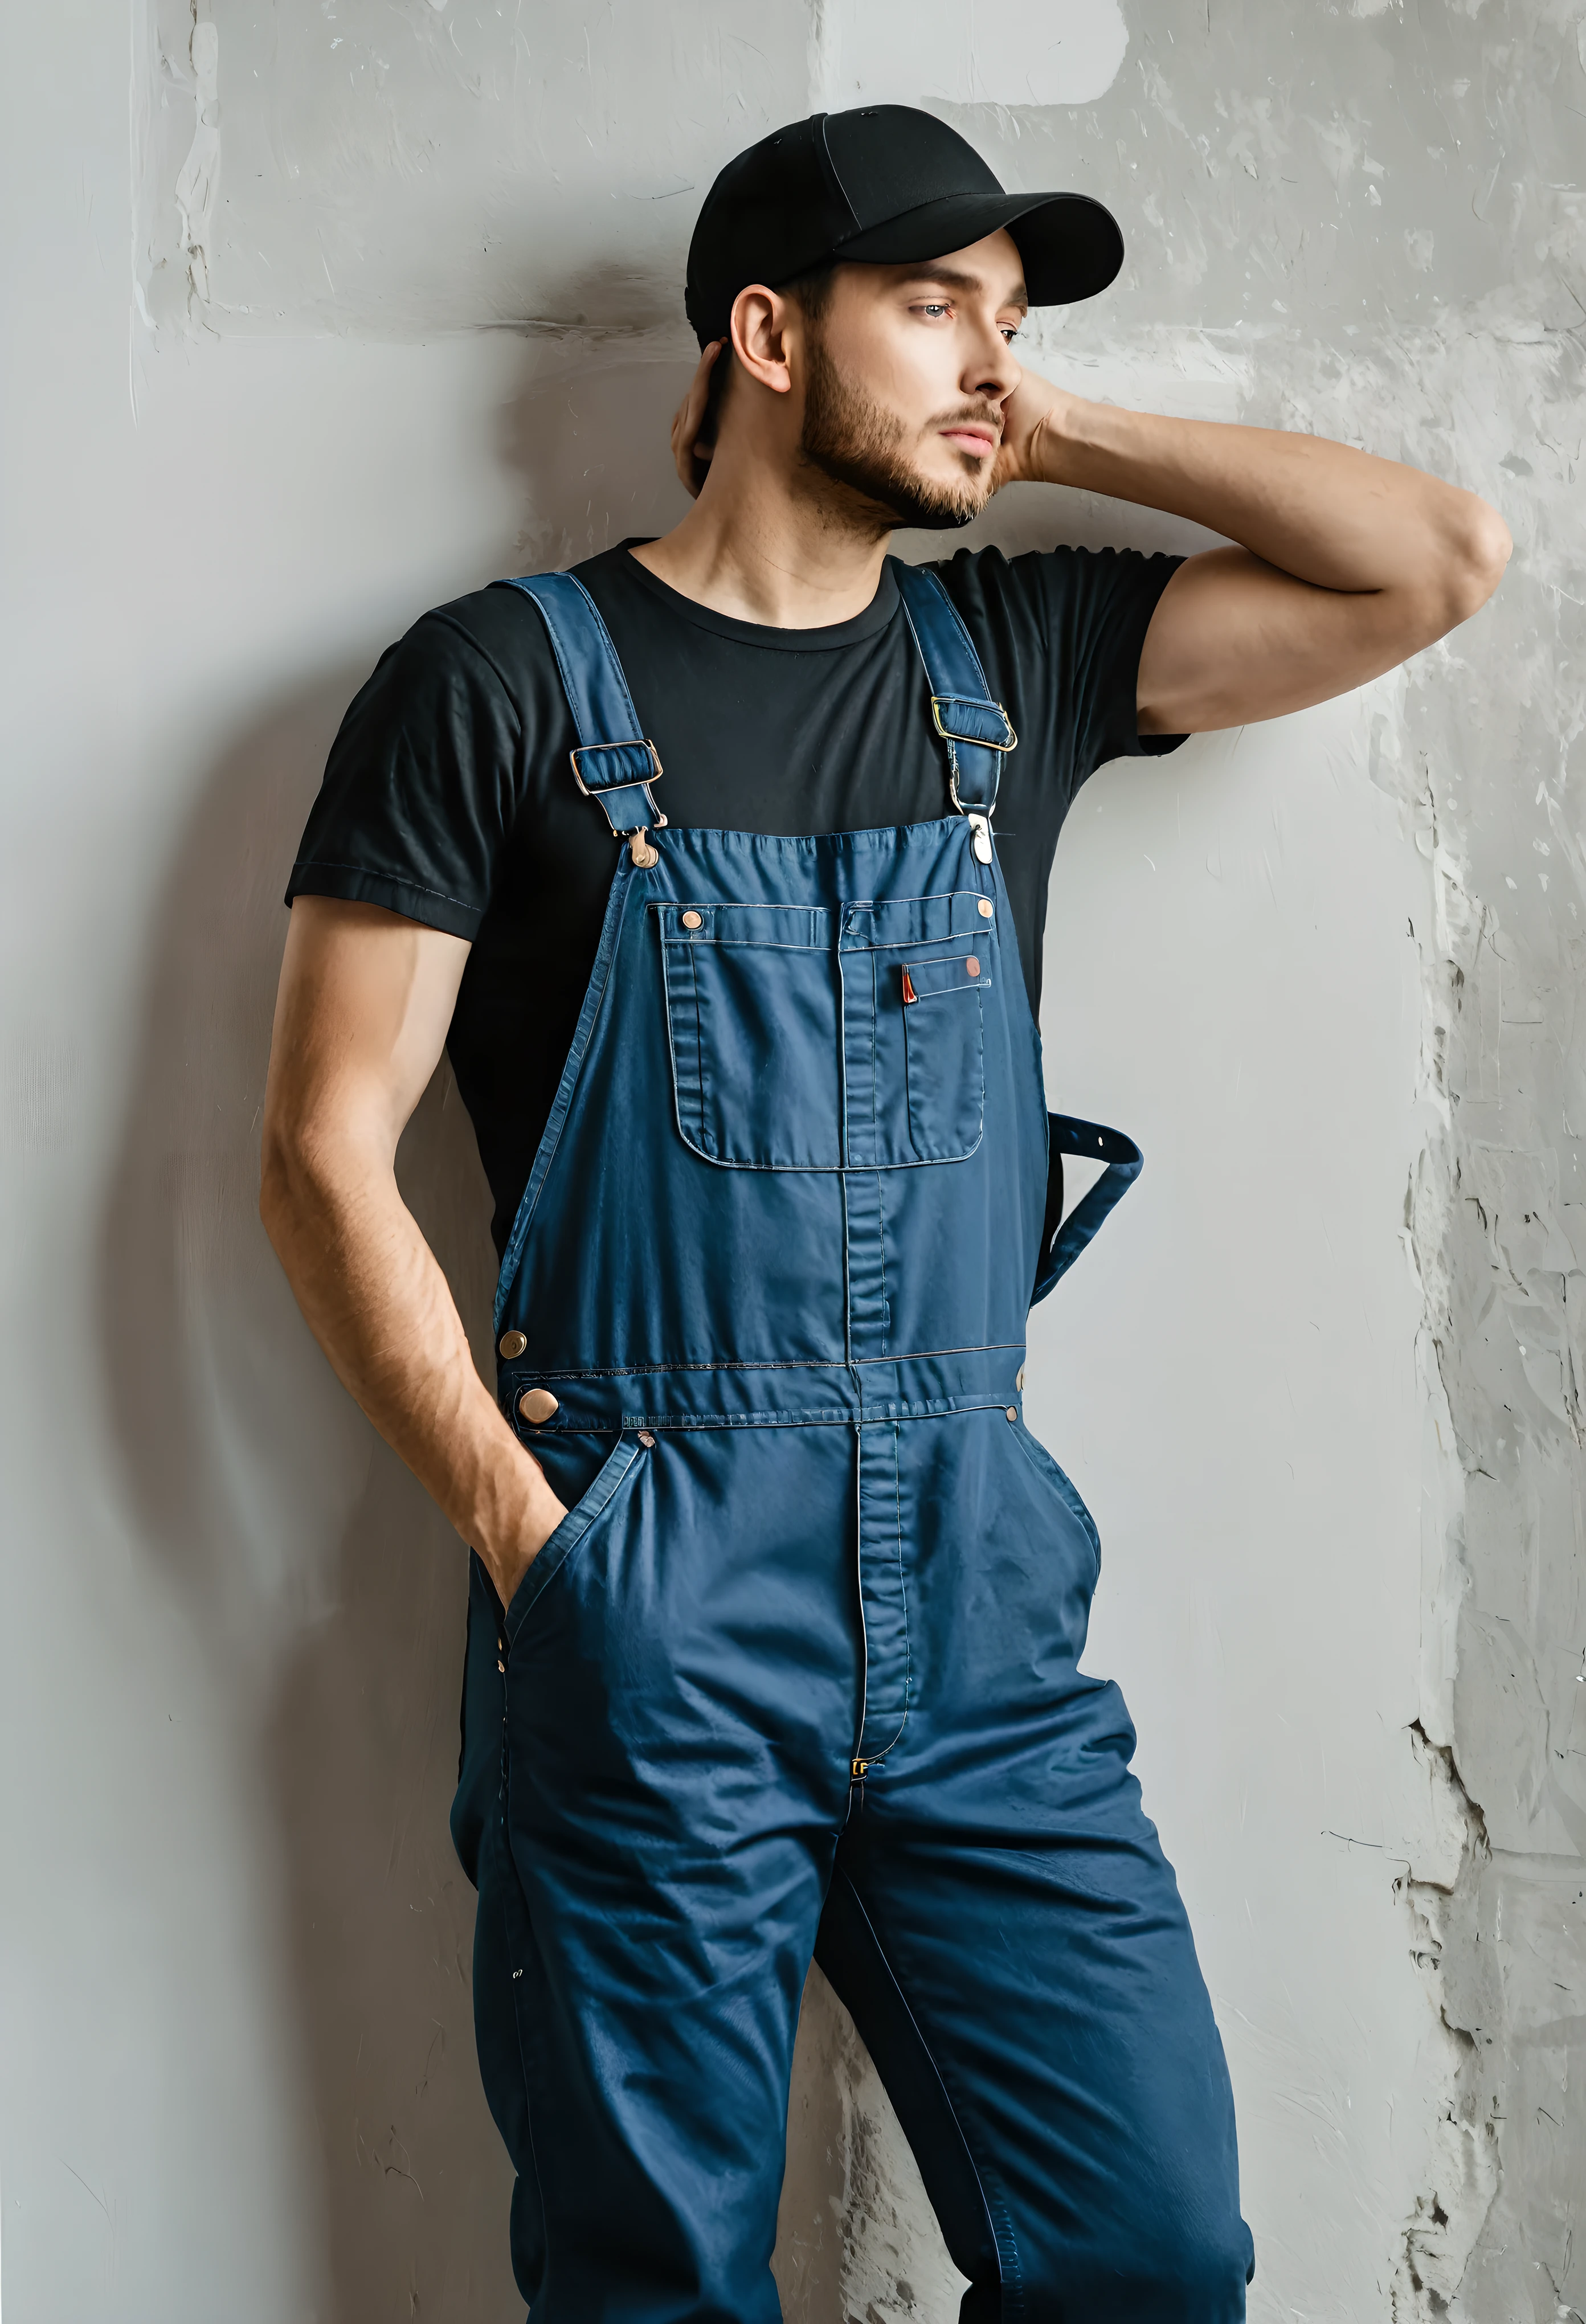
{"x": 887, "y": 184}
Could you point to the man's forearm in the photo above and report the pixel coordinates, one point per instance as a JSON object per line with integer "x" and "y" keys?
{"x": 1322, "y": 512}
{"x": 380, "y": 1306}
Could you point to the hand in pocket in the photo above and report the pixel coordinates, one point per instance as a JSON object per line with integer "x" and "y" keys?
{"x": 539, "y": 1512}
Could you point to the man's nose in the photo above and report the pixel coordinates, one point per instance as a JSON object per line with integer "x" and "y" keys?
{"x": 993, "y": 371}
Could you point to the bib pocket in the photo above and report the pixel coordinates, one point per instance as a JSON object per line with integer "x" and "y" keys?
{"x": 913, "y": 974}
{"x": 943, "y": 1040}
{"x": 804, "y": 1038}
{"x": 753, "y": 1000}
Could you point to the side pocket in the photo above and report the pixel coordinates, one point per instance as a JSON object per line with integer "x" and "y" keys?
{"x": 1045, "y": 1467}
{"x": 585, "y": 1512}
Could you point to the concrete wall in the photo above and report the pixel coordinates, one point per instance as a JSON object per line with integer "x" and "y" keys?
{"x": 321, "y": 313}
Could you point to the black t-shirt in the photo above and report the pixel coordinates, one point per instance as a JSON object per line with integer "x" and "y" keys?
{"x": 449, "y": 795}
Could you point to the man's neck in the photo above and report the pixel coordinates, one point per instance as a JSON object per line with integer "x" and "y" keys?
{"x": 786, "y": 548}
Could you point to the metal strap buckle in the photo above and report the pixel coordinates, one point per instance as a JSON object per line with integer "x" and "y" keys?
{"x": 589, "y": 750}
{"x": 980, "y": 741}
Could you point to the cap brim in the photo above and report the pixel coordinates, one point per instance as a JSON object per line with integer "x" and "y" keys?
{"x": 1070, "y": 244}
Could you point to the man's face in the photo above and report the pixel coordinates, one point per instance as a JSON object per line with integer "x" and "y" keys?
{"x": 909, "y": 372}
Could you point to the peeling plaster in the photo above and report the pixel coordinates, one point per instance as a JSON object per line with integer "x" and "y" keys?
{"x": 1444, "y": 1905}
{"x": 196, "y": 180}
{"x": 1495, "y": 1219}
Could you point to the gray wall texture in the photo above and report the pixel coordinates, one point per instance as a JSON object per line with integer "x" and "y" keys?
{"x": 323, "y": 312}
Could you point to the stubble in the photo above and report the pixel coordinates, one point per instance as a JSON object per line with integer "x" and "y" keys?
{"x": 862, "y": 446}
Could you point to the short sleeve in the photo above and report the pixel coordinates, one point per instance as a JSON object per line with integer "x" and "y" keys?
{"x": 421, "y": 785}
{"x": 1096, "y": 606}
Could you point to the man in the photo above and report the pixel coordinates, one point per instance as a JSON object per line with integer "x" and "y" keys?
{"x": 776, "y": 1607}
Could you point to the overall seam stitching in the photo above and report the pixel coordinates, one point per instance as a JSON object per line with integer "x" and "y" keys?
{"x": 873, "y": 1757}
{"x": 886, "y": 1304}
{"x": 758, "y": 1363}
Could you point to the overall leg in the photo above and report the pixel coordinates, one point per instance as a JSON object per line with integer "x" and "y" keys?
{"x": 679, "y": 1663}
{"x": 1009, "y": 1937}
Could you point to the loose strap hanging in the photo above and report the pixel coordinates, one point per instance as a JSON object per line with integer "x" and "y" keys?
{"x": 1063, "y": 1239}
{"x": 614, "y": 762}
{"x": 975, "y": 728}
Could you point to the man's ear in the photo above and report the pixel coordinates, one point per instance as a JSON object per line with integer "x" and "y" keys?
{"x": 759, "y": 336}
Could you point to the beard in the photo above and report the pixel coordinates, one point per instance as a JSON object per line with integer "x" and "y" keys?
{"x": 860, "y": 444}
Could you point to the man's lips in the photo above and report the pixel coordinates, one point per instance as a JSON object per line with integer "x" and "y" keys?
{"x": 969, "y": 438}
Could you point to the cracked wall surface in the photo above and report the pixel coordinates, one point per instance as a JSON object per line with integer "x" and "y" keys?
{"x": 1494, "y": 1215}
{"x": 326, "y": 310}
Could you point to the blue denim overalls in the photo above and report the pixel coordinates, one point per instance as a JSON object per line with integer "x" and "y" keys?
{"x": 798, "y": 1671}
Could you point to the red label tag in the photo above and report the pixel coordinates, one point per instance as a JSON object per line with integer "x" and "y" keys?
{"x": 908, "y": 992}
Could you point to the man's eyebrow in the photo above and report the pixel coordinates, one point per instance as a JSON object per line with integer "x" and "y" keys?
{"x": 951, "y": 278}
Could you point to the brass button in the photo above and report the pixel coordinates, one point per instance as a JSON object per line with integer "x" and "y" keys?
{"x": 972, "y": 965}
{"x": 537, "y": 1404}
{"x": 512, "y": 1343}
{"x": 501, "y": 1667}
{"x": 1019, "y": 1376}
{"x": 987, "y": 908}
{"x": 692, "y": 920}
{"x": 1013, "y": 1412}
{"x": 646, "y": 1438}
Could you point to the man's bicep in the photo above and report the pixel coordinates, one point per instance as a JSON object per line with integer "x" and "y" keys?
{"x": 365, "y": 1002}
{"x": 1233, "y": 640}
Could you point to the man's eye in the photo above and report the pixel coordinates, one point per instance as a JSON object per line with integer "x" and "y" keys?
{"x": 1010, "y": 332}
{"x": 936, "y": 307}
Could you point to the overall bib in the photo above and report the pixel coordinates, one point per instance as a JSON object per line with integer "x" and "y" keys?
{"x": 798, "y": 1671}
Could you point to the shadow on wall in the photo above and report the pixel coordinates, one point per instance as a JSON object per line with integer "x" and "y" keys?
{"x": 588, "y": 434}
{"x": 312, "y": 1568}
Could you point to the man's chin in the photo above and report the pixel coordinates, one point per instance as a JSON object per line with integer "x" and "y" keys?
{"x": 932, "y": 503}
{"x": 920, "y": 502}
{"x": 936, "y": 514}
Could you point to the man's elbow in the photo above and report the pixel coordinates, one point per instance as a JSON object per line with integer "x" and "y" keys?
{"x": 319, "y": 1164}
{"x": 1472, "y": 564}
{"x": 283, "y": 1176}
{"x": 299, "y": 1181}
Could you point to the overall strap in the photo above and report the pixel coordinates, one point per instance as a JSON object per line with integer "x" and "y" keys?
{"x": 975, "y": 728}
{"x": 1063, "y": 1239}
{"x": 614, "y": 762}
